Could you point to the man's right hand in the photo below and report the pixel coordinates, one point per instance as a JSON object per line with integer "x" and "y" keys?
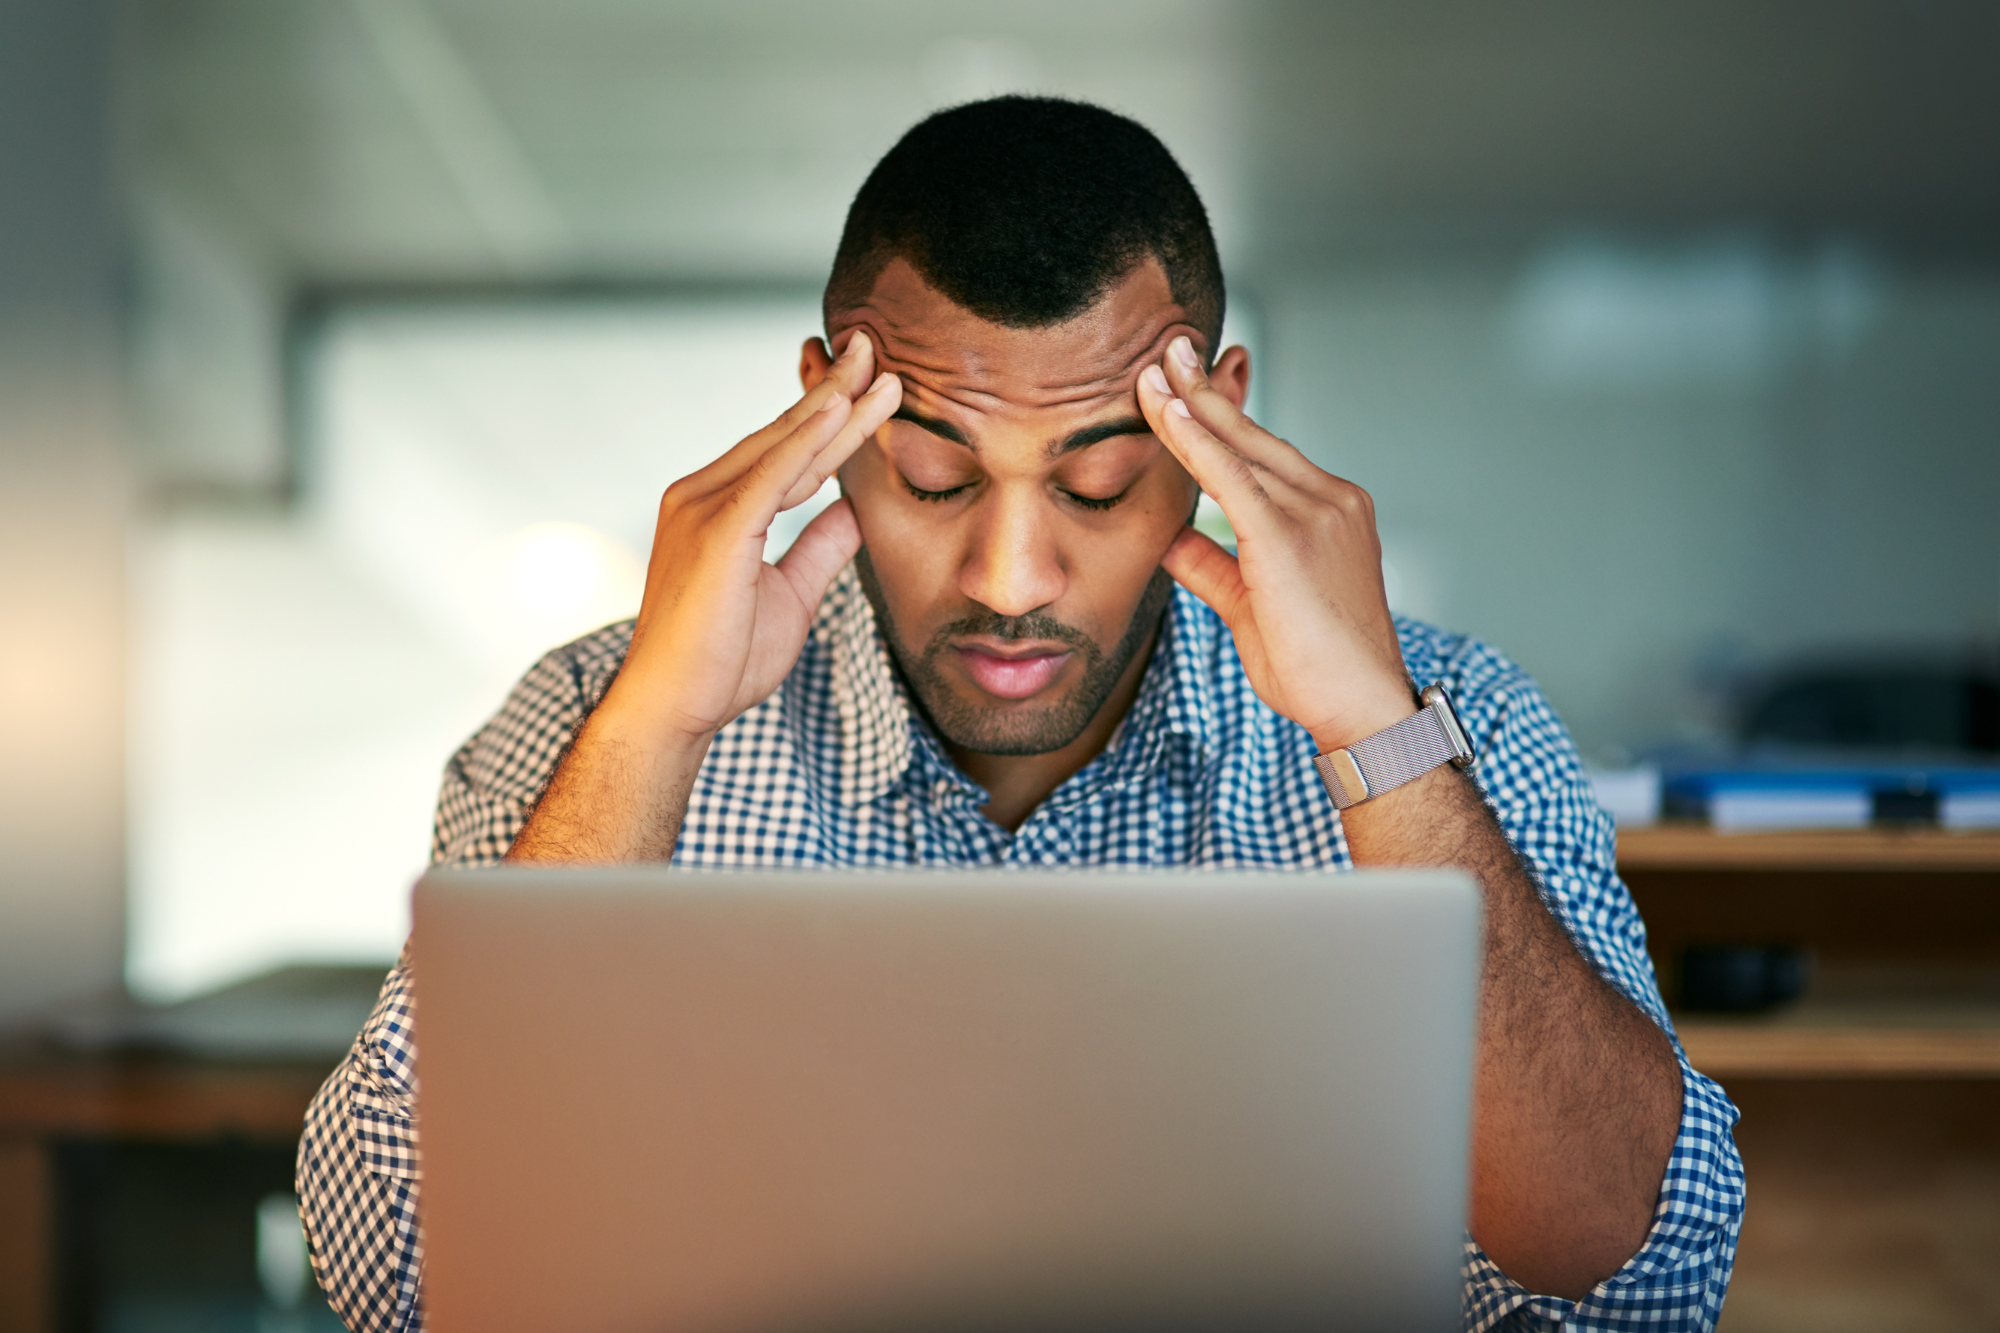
{"x": 718, "y": 630}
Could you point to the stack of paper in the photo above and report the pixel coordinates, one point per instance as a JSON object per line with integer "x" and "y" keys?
{"x": 1631, "y": 796}
{"x": 1742, "y": 792}
{"x": 1970, "y": 809}
{"x": 1743, "y": 809}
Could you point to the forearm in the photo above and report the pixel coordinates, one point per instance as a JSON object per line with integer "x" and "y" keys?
{"x": 1576, "y": 1092}
{"x": 618, "y": 796}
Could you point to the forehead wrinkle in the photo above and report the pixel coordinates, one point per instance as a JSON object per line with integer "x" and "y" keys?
{"x": 922, "y": 363}
{"x": 895, "y": 346}
{"x": 1118, "y": 383}
{"x": 923, "y": 390}
{"x": 1117, "y": 380}
{"x": 979, "y": 392}
{"x": 903, "y": 356}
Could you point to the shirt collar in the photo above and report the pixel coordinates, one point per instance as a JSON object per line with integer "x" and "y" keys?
{"x": 878, "y": 730}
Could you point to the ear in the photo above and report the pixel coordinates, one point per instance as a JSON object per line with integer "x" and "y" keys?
{"x": 1231, "y": 374}
{"x": 814, "y": 361}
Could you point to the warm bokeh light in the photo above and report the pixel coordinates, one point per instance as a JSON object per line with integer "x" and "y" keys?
{"x": 564, "y": 579}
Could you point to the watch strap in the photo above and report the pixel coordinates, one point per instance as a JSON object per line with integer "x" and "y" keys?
{"x": 1388, "y": 759}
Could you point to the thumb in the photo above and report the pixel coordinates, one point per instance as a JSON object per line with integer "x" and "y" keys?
{"x": 1200, "y": 564}
{"x": 827, "y": 543}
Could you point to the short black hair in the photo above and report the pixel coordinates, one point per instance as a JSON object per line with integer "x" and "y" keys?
{"x": 1026, "y": 211}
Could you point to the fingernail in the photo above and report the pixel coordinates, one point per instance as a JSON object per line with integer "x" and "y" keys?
{"x": 833, "y": 400}
{"x": 882, "y": 381}
{"x": 1179, "y": 409}
{"x": 854, "y": 344}
{"x": 1156, "y": 380}
{"x": 1183, "y": 351}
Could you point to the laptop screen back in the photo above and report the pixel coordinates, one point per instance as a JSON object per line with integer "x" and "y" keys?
{"x": 830, "y": 1100}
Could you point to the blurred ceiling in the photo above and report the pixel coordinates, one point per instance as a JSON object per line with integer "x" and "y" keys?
{"x": 1450, "y": 118}
{"x": 351, "y": 140}
{"x": 463, "y": 138}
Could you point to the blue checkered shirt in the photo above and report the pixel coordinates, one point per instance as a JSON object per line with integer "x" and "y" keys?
{"x": 837, "y": 769}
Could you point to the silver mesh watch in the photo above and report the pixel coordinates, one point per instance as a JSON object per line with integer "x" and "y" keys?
{"x": 1398, "y": 754}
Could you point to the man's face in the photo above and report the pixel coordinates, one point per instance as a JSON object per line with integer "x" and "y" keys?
{"x": 1015, "y": 510}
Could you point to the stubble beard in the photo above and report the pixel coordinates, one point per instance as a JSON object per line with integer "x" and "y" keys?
{"x": 1015, "y": 730}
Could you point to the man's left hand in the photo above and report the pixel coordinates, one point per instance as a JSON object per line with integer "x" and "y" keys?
{"x": 1303, "y": 594}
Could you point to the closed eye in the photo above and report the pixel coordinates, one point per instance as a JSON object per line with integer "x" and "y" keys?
{"x": 933, "y": 497}
{"x": 1097, "y": 504}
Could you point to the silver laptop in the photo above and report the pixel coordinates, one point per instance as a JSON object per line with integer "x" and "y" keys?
{"x": 793, "y": 1102}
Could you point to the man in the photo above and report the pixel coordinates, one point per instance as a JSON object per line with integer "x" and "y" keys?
{"x": 980, "y": 656}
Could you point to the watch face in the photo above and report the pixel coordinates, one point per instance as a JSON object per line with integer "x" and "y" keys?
{"x": 1438, "y": 699}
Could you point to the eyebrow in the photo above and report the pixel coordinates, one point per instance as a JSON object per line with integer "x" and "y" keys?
{"x": 942, "y": 429}
{"x": 1103, "y": 430}
{"x": 1078, "y": 439}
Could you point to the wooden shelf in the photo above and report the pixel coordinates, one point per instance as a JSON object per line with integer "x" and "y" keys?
{"x": 1723, "y": 1051}
{"x": 1854, "y": 1036}
{"x": 1698, "y": 847}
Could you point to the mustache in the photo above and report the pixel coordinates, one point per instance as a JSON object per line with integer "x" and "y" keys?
{"x": 1034, "y": 625}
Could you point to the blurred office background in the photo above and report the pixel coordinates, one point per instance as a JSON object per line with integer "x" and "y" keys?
{"x": 346, "y": 345}
{"x": 1667, "y": 337}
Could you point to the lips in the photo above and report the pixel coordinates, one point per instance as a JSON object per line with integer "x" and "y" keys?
{"x": 1015, "y": 676}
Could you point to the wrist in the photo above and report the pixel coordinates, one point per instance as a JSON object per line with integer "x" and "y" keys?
{"x": 1398, "y": 754}
{"x": 648, "y": 728}
{"x": 1384, "y": 708}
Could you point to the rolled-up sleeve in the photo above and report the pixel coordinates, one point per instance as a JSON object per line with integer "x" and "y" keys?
{"x": 1679, "y": 1276}
{"x": 1529, "y": 768}
{"x": 493, "y": 783}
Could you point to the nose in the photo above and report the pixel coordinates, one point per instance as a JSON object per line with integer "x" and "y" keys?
{"x": 1014, "y": 565}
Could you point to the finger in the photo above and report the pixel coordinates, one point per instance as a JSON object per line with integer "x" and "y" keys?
{"x": 1200, "y": 564}
{"x": 870, "y": 411}
{"x": 753, "y": 497}
{"x": 1242, "y": 487}
{"x": 826, "y": 544}
{"x": 857, "y": 362}
{"x": 851, "y": 373}
{"x": 847, "y": 378}
{"x": 786, "y": 468}
{"x": 1228, "y": 422}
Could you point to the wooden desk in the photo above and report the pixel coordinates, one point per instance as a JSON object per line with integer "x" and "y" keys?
{"x": 1698, "y": 847}
{"x": 46, "y": 1097}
